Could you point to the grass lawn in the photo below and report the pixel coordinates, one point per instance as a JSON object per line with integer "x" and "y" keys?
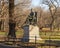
{"x": 43, "y": 35}
{"x": 19, "y": 33}
{"x": 3, "y": 33}
{"x": 54, "y": 36}
{"x": 50, "y": 35}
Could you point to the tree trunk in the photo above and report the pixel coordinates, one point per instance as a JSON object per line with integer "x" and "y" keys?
{"x": 58, "y": 27}
{"x": 0, "y": 25}
{"x": 52, "y": 22}
{"x": 12, "y": 23}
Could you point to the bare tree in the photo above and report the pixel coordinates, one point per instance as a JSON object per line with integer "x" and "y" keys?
{"x": 12, "y": 23}
{"x": 21, "y": 11}
{"x": 0, "y": 15}
{"x": 57, "y": 19}
{"x": 3, "y": 14}
{"x": 52, "y": 9}
{"x": 15, "y": 13}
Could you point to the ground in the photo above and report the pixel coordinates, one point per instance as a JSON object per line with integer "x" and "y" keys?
{"x": 45, "y": 35}
{"x": 54, "y": 35}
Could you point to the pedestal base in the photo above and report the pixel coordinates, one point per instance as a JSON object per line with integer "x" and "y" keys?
{"x": 34, "y": 33}
{"x": 31, "y": 33}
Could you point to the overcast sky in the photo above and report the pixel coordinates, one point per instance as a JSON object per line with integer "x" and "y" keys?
{"x": 34, "y": 2}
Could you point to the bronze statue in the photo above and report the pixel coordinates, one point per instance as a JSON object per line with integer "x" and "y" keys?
{"x": 33, "y": 17}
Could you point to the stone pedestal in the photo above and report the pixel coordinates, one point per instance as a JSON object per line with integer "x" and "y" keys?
{"x": 31, "y": 33}
{"x": 34, "y": 33}
{"x": 26, "y": 33}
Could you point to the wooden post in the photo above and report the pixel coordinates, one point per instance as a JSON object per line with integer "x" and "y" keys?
{"x": 35, "y": 41}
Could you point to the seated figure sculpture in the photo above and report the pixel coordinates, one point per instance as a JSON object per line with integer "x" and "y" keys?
{"x": 31, "y": 17}
{"x": 31, "y": 29}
